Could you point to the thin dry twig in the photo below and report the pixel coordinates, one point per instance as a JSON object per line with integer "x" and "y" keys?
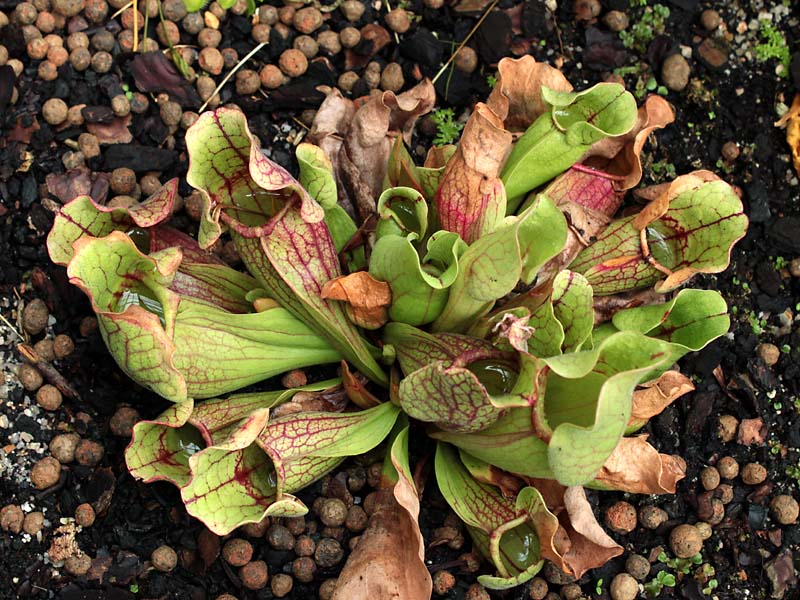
{"x": 232, "y": 73}
{"x": 48, "y": 371}
{"x": 472, "y": 31}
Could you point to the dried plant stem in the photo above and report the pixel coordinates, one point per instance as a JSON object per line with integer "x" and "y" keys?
{"x": 232, "y": 73}
{"x": 466, "y": 39}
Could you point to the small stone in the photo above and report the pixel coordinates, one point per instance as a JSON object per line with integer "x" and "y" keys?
{"x": 398, "y": 20}
{"x": 624, "y": 587}
{"x": 753, "y": 474}
{"x": 621, "y": 517}
{"x": 247, "y": 82}
{"x": 174, "y": 10}
{"x": 11, "y": 518}
{"x": 328, "y": 553}
{"x": 150, "y": 184}
{"x": 303, "y": 569}
{"x": 44, "y": 350}
{"x": 168, "y": 33}
{"x": 713, "y": 52}
{"x": 267, "y": 14}
{"x": 164, "y": 558}
{"x": 476, "y": 592}
{"x": 709, "y": 478}
{"x": 305, "y": 546}
{"x": 675, "y": 72}
{"x": 62, "y": 447}
{"x": 45, "y": 473}
{"x": 293, "y": 62}
{"x": 171, "y": 112}
{"x": 72, "y": 160}
{"x": 48, "y": 397}
{"x": 271, "y": 77}
{"x": 347, "y": 81}
{"x": 586, "y": 10}
{"x": 281, "y": 585}
{"x": 25, "y": 13}
{"x": 769, "y": 353}
{"x": 555, "y": 575}
{"x": 730, "y": 151}
{"x": 728, "y": 424}
{"x": 443, "y": 582}
{"x": 67, "y": 8}
{"x": 193, "y": 23}
{"x": 101, "y": 62}
{"x": 327, "y": 588}
{"x": 89, "y": 453}
{"x": 121, "y": 202}
{"x": 356, "y": 520}
{"x": 616, "y": 20}
{"x": 685, "y": 541}
{"x": 237, "y": 552}
{"x": 84, "y": 515}
{"x": 794, "y": 267}
{"x": 96, "y": 10}
{"x": 29, "y": 377}
{"x": 294, "y": 379}
{"x": 75, "y": 115}
{"x": 571, "y": 591}
{"x": 35, "y": 314}
{"x": 88, "y": 326}
{"x": 209, "y": 38}
{"x": 350, "y": 37}
{"x": 123, "y": 420}
{"x": 63, "y": 346}
{"x": 710, "y": 19}
{"x": 37, "y": 50}
{"x": 33, "y": 523}
{"x": 256, "y": 530}
{"x": 784, "y": 509}
{"x": 78, "y": 564}
{"x": 211, "y": 61}
{"x": 724, "y": 492}
{"x": 352, "y": 10}
{"x": 333, "y": 512}
{"x": 307, "y": 20}
{"x": 307, "y": 45}
{"x": 704, "y": 529}
{"x": 139, "y": 103}
{"x": 652, "y": 517}
{"x": 538, "y": 588}
{"x": 637, "y": 567}
{"x": 329, "y": 42}
{"x": 286, "y": 14}
{"x": 103, "y": 41}
{"x": 123, "y": 180}
{"x": 260, "y": 33}
{"x": 279, "y": 537}
{"x": 466, "y": 60}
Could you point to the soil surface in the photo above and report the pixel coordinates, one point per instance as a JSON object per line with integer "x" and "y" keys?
{"x": 734, "y": 94}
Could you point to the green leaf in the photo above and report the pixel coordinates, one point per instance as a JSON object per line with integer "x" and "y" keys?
{"x": 177, "y": 346}
{"x": 84, "y": 217}
{"x": 510, "y": 443}
{"x": 587, "y": 404}
{"x": 695, "y": 235}
{"x": 559, "y": 137}
{"x": 304, "y": 446}
{"x": 689, "y": 321}
{"x": 419, "y": 287}
{"x": 194, "y": 5}
{"x": 509, "y": 541}
{"x": 492, "y": 266}
{"x": 402, "y": 211}
{"x": 277, "y": 227}
{"x": 316, "y": 175}
{"x": 160, "y": 449}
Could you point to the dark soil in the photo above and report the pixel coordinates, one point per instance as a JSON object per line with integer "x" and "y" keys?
{"x": 735, "y": 102}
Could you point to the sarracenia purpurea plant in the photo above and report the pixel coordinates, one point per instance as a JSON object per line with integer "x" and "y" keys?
{"x": 491, "y": 299}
